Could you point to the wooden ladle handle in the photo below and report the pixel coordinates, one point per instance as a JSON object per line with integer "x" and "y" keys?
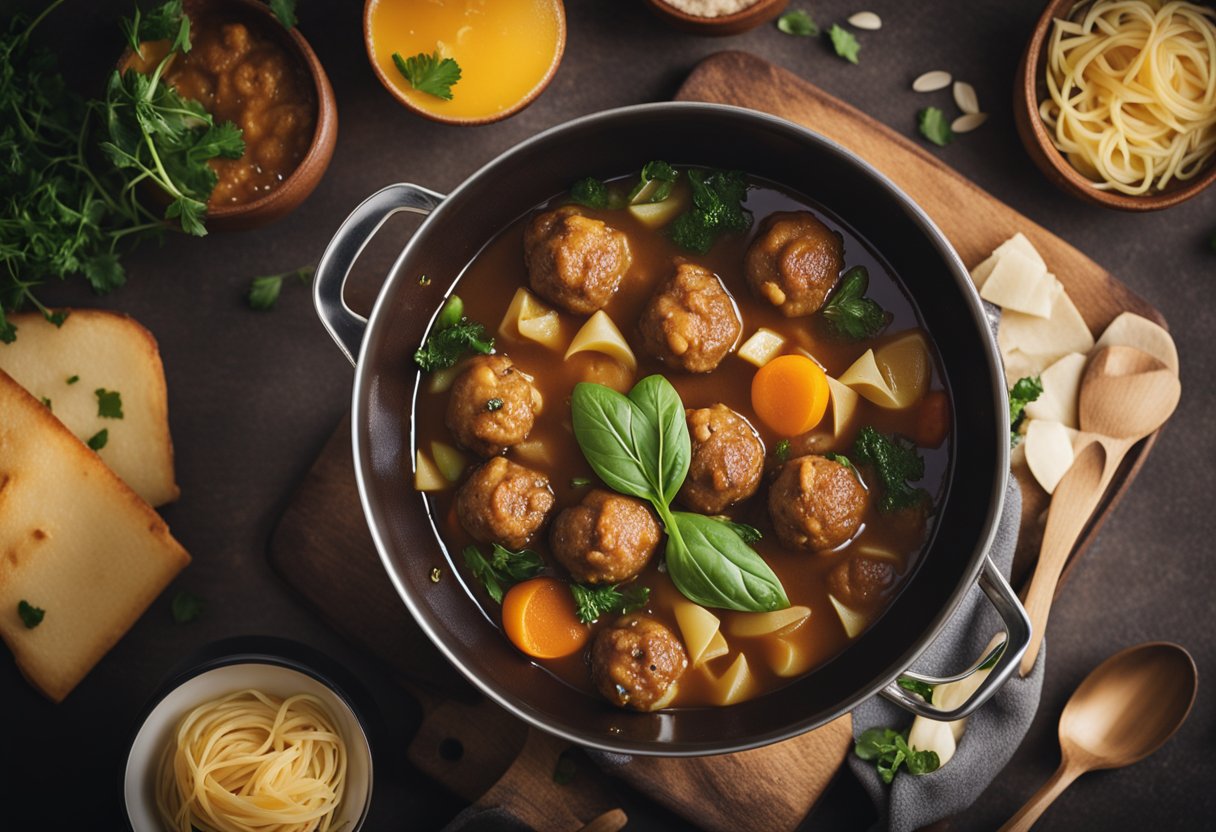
{"x": 1040, "y": 800}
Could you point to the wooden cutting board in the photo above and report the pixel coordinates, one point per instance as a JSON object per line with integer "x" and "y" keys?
{"x": 323, "y": 549}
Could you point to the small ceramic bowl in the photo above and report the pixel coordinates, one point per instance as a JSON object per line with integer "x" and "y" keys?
{"x": 273, "y": 666}
{"x": 404, "y": 100}
{"x": 762, "y": 11}
{"x": 1031, "y": 88}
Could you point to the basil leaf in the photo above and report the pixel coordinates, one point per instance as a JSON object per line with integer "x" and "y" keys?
{"x": 712, "y": 566}
{"x": 619, "y": 451}
{"x": 660, "y": 412}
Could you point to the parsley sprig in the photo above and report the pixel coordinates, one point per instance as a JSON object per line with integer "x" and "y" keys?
{"x": 452, "y": 337}
{"x": 593, "y": 602}
{"x": 889, "y": 750}
{"x": 429, "y": 73}
{"x": 1024, "y": 391}
{"x": 503, "y": 569}
{"x": 717, "y": 208}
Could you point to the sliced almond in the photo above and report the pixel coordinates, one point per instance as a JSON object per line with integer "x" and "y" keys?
{"x": 967, "y": 123}
{"x": 866, "y": 20}
{"x": 965, "y": 97}
{"x": 936, "y": 80}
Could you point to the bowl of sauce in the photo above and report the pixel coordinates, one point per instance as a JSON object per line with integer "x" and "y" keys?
{"x": 506, "y": 51}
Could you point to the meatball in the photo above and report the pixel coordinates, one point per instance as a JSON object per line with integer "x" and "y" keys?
{"x": 492, "y": 406}
{"x": 605, "y": 539}
{"x": 794, "y": 262}
{"x": 574, "y": 261}
{"x": 691, "y": 322}
{"x": 860, "y": 582}
{"x": 504, "y": 502}
{"x": 816, "y": 503}
{"x": 637, "y": 663}
{"x": 727, "y": 460}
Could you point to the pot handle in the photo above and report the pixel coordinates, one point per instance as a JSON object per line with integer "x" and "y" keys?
{"x": 343, "y": 325}
{"x": 1006, "y": 654}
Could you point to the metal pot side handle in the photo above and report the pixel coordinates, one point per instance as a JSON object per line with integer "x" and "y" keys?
{"x": 1017, "y": 637}
{"x": 343, "y": 325}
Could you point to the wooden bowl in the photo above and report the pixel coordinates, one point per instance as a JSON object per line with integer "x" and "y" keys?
{"x": 1030, "y": 89}
{"x": 404, "y": 100}
{"x": 731, "y": 24}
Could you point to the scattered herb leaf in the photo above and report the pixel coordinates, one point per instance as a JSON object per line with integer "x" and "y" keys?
{"x": 73, "y": 379}
{"x": 47, "y": 403}
{"x": 494, "y": 404}
{"x": 717, "y": 208}
{"x": 889, "y": 750}
{"x": 186, "y": 607}
{"x": 285, "y": 11}
{"x": 31, "y": 616}
{"x": 844, "y": 43}
{"x": 264, "y": 291}
{"x": 798, "y": 22}
{"x": 782, "y": 450}
{"x": 429, "y": 74}
{"x": 654, "y": 184}
{"x": 444, "y": 347}
{"x": 1025, "y": 390}
{"x": 98, "y": 440}
{"x": 849, "y": 312}
{"x": 109, "y": 403}
{"x": 916, "y": 686}
{"x": 592, "y": 602}
{"x": 503, "y": 568}
{"x": 934, "y": 127}
{"x": 897, "y": 464}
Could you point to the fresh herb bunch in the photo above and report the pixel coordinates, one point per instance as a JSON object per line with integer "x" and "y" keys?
{"x": 1024, "y": 391}
{"x": 503, "y": 569}
{"x": 850, "y": 313}
{"x": 717, "y": 208}
{"x": 593, "y": 602}
{"x": 889, "y": 750}
{"x": 897, "y": 463}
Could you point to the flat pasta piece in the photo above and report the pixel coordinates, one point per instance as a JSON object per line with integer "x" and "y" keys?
{"x": 777, "y": 622}
{"x": 1061, "y": 391}
{"x": 844, "y": 403}
{"x": 853, "y": 621}
{"x": 1132, "y": 330}
{"x": 701, "y": 631}
{"x": 762, "y": 347}
{"x": 981, "y": 273}
{"x": 528, "y": 318}
{"x": 1019, "y": 283}
{"x": 1049, "y": 452}
{"x": 601, "y": 335}
{"x": 787, "y": 658}
{"x": 895, "y": 376}
{"x": 1045, "y": 340}
{"x": 1020, "y": 243}
{"x": 735, "y": 685}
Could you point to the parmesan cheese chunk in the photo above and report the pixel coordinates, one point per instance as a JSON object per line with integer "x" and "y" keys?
{"x": 1021, "y": 284}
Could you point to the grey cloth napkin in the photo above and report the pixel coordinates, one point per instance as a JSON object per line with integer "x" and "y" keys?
{"x": 993, "y": 732}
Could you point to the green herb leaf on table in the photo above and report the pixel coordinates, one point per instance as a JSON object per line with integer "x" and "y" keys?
{"x": 844, "y": 43}
{"x": 186, "y": 607}
{"x": 717, "y": 209}
{"x": 654, "y": 184}
{"x": 934, "y": 127}
{"x": 1025, "y": 390}
{"x": 503, "y": 568}
{"x": 109, "y": 403}
{"x": 897, "y": 463}
{"x": 889, "y": 750}
{"x": 429, "y": 73}
{"x": 849, "y": 312}
{"x": 444, "y": 347}
{"x": 593, "y": 602}
{"x": 924, "y": 689}
{"x": 31, "y": 616}
{"x": 798, "y": 22}
{"x": 98, "y": 440}
{"x": 264, "y": 291}
{"x": 285, "y": 11}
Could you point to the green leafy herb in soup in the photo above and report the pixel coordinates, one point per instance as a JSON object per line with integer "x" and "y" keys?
{"x": 585, "y": 416}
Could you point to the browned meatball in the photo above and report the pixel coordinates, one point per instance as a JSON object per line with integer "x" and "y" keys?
{"x": 691, "y": 322}
{"x": 492, "y": 405}
{"x": 794, "y": 262}
{"x": 605, "y": 539}
{"x": 816, "y": 503}
{"x": 860, "y": 582}
{"x": 504, "y": 502}
{"x": 637, "y": 663}
{"x": 574, "y": 261}
{"x": 727, "y": 460}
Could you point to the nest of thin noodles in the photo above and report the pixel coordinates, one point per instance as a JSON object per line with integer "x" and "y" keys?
{"x": 1132, "y": 92}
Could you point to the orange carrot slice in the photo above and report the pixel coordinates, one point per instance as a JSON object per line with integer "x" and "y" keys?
{"x": 538, "y": 616}
{"x": 790, "y": 394}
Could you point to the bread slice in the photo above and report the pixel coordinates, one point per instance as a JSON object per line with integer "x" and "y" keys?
{"x": 75, "y": 541}
{"x": 101, "y": 351}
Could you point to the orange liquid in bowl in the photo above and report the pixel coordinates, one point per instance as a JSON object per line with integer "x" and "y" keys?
{"x": 504, "y": 47}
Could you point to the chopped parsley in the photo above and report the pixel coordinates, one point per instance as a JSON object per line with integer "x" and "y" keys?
{"x": 799, "y": 23}
{"x": 592, "y": 602}
{"x": 264, "y": 291}
{"x": 717, "y": 208}
{"x": 73, "y": 379}
{"x": 889, "y": 750}
{"x": 849, "y": 312}
{"x": 429, "y": 74}
{"x": 844, "y": 43}
{"x": 897, "y": 463}
{"x": 109, "y": 403}
{"x": 98, "y": 440}
{"x": 1024, "y": 391}
{"x": 494, "y": 404}
{"x": 31, "y": 616}
{"x": 503, "y": 568}
{"x": 452, "y": 337}
{"x": 934, "y": 127}
{"x": 186, "y": 607}
{"x": 782, "y": 450}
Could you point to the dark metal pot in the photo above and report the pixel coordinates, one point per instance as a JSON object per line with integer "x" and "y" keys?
{"x": 386, "y": 385}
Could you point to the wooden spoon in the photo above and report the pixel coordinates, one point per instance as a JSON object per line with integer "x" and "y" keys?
{"x": 1126, "y": 394}
{"x": 1126, "y": 709}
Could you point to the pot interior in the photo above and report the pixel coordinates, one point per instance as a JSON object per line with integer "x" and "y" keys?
{"x": 605, "y": 146}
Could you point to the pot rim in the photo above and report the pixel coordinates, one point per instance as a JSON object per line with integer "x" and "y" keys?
{"x": 364, "y": 383}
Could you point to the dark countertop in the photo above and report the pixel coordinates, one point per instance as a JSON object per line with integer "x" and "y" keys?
{"x": 254, "y": 396}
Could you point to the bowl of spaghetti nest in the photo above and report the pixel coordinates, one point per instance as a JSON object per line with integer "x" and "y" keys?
{"x": 252, "y": 739}
{"x": 1116, "y": 100}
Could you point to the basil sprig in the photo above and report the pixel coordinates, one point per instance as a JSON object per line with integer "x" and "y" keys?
{"x": 639, "y": 445}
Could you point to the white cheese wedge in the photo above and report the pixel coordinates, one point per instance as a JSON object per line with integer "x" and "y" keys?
{"x": 1132, "y": 330}
{"x": 1049, "y": 452}
{"x": 1021, "y": 284}
{"x": 1061, "y": 391}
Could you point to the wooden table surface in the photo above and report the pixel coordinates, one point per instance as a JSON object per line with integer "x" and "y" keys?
{"x": 254, "y": 395}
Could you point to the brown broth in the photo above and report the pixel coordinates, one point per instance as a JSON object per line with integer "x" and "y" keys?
{"x": 487, "y": 286}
